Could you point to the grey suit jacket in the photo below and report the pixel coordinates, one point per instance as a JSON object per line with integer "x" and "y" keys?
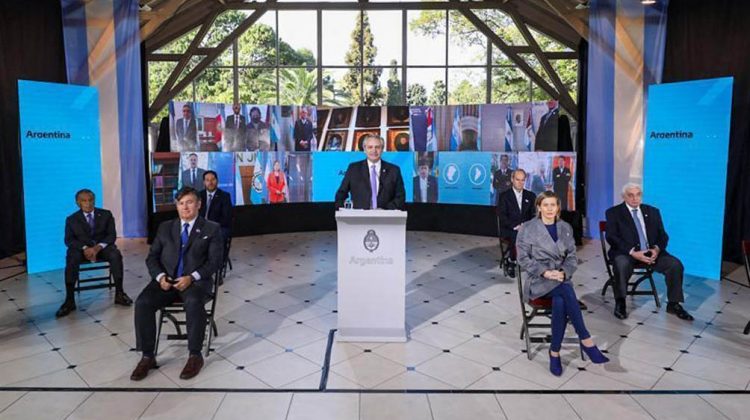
{"x": 537, "y": 253}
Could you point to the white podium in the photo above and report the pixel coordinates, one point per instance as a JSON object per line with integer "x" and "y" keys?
{"x": 371, "y": 275}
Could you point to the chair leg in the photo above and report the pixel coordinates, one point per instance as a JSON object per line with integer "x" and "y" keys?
{"x": 747, "y": 329}
{"x": 158, "y": 332}
{"x": 654, "y": 291}
{"x": 607, "y": 284}
{"x": 526, "y": 337}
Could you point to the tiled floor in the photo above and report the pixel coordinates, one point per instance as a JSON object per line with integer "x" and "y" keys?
{"x": 277, "y": 308}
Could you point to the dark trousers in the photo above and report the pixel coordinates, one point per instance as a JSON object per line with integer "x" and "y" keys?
{"x": 74, "y": 258}
{"x": 565, "y": 307}
{"x": 509, "y": 247}
{"x": 153, "y": 298}
{"x": 665, "y": 264}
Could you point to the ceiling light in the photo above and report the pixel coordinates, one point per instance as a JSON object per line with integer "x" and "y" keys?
{"x": 648, "y": 2}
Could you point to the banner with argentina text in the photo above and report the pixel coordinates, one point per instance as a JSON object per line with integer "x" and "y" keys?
{"x": 102, "y": 49}
{"x": 626, "y": 54}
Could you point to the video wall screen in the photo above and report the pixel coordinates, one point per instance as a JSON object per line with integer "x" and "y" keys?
{"x": 457, "y": 154}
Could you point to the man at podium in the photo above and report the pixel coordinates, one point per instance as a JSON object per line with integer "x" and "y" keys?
{"x": 372, "y": 183}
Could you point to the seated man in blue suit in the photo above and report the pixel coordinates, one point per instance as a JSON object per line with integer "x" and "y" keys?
{"x": 184, "y": 256}
{"x": 636, "y": 235}
{"x": 90, "y": 236}
{"x": 515, "y": 206}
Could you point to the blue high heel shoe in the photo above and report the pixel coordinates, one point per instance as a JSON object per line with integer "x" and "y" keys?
{"x": 555, "y": 365}
{"x": 594, "y": 354}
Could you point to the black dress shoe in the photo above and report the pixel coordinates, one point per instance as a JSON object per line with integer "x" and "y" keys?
{"x": 66, "y": 308}
{"x": 511, "y": 269}
{"x": 677, "y": 309}
{"x": 620, "y": 310}
{"x": 123, "y": 299}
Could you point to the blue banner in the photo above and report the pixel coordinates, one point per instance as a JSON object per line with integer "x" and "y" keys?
{"x": 465, "y": 178}
{"x": 685, "y": 167}
{"x": 61, "y": 154}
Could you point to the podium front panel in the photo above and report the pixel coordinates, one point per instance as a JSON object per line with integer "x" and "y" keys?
{"x": 371, "y": 275}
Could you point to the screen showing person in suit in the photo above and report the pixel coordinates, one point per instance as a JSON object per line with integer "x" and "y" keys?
{"x": 185, "y": 255}
{"x": 90, "y": 236}
{"x": 186, "y": 130}
{"x": 547, "y": 256}
{"x": 636, "y": 236}
{"x": 372, "y": 183}
{"x": 425, "y": 185}
{"x": 234, "y": 131}
{"x": 514, "y": 207}
{"x": 304, "y": 132}
{"x": 193, "y": 176}
{"x": 561, "y": 177}
{"x": 218, "y": 204}
{"x": 501, "y": 178}
{"x": 546, "y": 135}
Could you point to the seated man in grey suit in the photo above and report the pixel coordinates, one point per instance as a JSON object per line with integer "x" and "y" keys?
{"x": 193, "y": 176}
{"x": 185, "y": 254}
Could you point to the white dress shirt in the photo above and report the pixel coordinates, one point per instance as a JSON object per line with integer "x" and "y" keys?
{"x": 519, "y": 198}
{"x": 423, "y": 189}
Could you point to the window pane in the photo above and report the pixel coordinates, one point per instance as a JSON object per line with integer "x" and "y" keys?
{"x": 467, "y": 86}
{"x": 391, "y": 85}
{"x": 337, "y": 31}
{"x": 426, "y": 37}
{"x": 386, "y": 36}
{"x": 426, "y": 86}
{"x": 257, "y": 86}
{"x": 502, "y": 25}
{"x": 298, "y": 38}
{"x": 179, "y": 45}
{"x": 225, "y": 59}
{"x": 500, "y": 59}
{"x": 158, "y": 73}
{"x": 298, "y": 86}
{"x": 337, "y": 92}
{"x": 258, "y": 44}
{"x": 214, "y": 85}
{"x": 568, "y": 72}
{"x": 509, "y": 85}
{"x": 224, "y": 24}
{"x": 547, "y": 43}
{"x": 466, "y": 44}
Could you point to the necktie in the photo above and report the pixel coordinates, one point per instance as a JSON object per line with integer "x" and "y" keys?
{"x": 236, "y": 121}
{"x": 639, "y": 228}
{"x": 183, "y": 244}
{"x": 208, "y": 203}
{"x": 192, "y": 176}
{"x": 374, "y": 187}
{"x": 90, "y": 221}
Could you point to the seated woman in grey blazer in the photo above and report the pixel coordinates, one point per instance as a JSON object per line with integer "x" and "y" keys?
{"x": 547, "y": 253}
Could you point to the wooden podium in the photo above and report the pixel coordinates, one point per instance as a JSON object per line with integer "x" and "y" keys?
{"x": 371, "y": 275}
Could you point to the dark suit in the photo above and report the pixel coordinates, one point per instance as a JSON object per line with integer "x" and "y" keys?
{"x": 546, "y": 135}
{"x": 187, "y": 139}
{"x": 622, "y": 236}
{"x": 501, "y": 180}
{"x": 234, "y": 133}
{"x": 391, "y": 193}
{"x": 219, "y": 210}
{"x": 432, "y": 190}
{"x": 561, "y": 184}
{"x": 78, "y": 234}
{"x": 203, "y": 254}
{"x": 303, "y": 130}
{"x": 197, "y": 183}
{"x": 510, "y": 215}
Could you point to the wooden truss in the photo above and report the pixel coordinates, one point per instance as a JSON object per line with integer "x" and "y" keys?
{"x": 163, "y": 21}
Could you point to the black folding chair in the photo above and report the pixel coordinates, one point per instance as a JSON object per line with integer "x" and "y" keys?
{"x": 175, "y": 313}
{"x": 505, "y": 250}
{"x": 746, "y": 257}
{"x": 227, "y": 261}
{"x": 531, "y": 309}
{"x": 94, "y": 275}
{"x": 641, "y": 271}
